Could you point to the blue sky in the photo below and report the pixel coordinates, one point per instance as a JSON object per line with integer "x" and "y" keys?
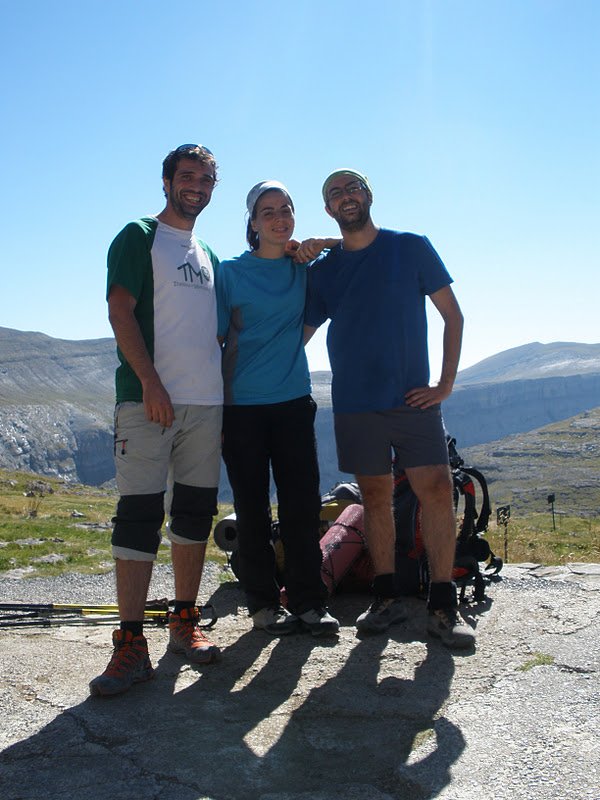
{"x": 477, "y": 122}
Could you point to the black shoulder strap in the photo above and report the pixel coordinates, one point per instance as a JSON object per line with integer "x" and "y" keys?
{"x": 485, "y": 511}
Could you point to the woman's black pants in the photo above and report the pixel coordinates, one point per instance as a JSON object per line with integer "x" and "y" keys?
{"x": 280, "y": 436}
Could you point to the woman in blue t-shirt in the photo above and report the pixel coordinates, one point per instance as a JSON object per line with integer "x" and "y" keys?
{"x": 268, "y": 419}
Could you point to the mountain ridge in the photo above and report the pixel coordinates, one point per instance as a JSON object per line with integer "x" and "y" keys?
{"x": 532, "y": 361}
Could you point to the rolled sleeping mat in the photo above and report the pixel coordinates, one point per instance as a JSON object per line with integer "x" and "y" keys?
{"x": 360, "y": 575}
{"x": 342, "y": 545}
{"x": 225, "y": 534}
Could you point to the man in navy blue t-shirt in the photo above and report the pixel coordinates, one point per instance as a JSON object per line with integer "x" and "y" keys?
{"x": 372, "y": 286}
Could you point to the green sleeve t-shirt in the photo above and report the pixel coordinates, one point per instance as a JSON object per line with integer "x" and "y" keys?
{"x": 171, "y": 274}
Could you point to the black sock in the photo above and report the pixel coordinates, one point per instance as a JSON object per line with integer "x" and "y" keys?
{"x": 136, "y": 628}
{"x": 384, "y": 585}
{"x": 181, "y": 604}
{"x": 442, "y": 595}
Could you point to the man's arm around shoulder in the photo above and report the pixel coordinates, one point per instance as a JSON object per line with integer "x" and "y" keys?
{"x": 157, "y": 403}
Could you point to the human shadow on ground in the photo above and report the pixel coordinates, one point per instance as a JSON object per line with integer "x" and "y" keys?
{"x": 299, "y": 714}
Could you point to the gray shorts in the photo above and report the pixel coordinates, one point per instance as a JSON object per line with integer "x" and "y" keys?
{"x": 150, "y": 459}
{"x": 146, "y": 454}
{"x": 365, "y": 441}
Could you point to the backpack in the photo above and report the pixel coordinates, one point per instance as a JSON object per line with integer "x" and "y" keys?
{"x": 471, "y": 548}
{"x": 342, "y": 491}
{"x": 339, "y": 497}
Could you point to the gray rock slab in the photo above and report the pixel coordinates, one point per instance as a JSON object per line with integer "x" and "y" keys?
{"x": 587, "y": 576}
{"x": 395, "y": 717}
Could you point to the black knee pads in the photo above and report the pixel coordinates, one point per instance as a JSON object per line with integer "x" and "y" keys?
{"x": 138, "y": 521}
{"x": 192, "y": 512}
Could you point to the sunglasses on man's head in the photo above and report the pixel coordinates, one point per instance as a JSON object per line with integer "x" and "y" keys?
{"x": 192, "y": 147}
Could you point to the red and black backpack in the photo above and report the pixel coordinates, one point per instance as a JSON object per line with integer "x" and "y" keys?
{"x": 472, "y": 503}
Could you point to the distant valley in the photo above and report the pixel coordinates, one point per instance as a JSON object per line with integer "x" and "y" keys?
{"x": 57, "y": 396}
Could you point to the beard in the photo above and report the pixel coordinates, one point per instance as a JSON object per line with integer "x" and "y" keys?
{"x": 183, "y": 209}
{"x": 354, "y": 222}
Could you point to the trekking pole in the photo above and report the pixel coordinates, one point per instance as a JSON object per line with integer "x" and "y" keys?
{"x": 43, "y": 613}
{"x": 74, "y": 608}
{"x": 26, "y": 615}
{"x": 44, "y": 620}
{"x": 51, "y": 622}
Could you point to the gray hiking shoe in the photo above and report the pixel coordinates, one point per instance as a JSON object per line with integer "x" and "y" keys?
{"x": 319, "y": 622}
{"x": 385, "y": 611}
{"x": 276, "y": 621}
{"x": 129, "y": 664}
{"x": 448, "y": 625}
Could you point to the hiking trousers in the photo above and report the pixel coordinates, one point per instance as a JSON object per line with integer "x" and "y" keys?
{"x": 280, "y": 437}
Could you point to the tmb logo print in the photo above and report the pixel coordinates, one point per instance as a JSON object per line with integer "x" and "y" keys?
{"x": 190, "y": 273}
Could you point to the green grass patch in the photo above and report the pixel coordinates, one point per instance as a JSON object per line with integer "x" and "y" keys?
{"x": 537, "y": 660}
{"x": 532, "y": 538}
{"x": 48, "y": 527}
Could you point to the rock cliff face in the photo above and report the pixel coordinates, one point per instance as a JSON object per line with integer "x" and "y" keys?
{"x": 521, "y": 389}
{"x": 44, "y": 439}
{"x": 479, "y": 413}
{"x": 56, "y": 402}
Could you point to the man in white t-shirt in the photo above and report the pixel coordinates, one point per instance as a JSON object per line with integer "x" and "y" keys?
{"x": 162, "y": 308}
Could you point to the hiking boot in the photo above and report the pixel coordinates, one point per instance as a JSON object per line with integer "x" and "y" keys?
{"x": 275, "y": 620}
{"x": 187, "y": 638}
{"x": 319, "y": 622}
{"x": 130, "y": 663}
{"x": 385, "y": 611}
{"x": 448, "y": 625}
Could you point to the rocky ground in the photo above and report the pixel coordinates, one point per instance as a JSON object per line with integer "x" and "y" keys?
{"x": 386, "y": 718}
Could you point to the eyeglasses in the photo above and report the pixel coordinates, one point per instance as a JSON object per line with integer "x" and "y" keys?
{"x": 192, "y": 147}
{"x": 349, "y": 188}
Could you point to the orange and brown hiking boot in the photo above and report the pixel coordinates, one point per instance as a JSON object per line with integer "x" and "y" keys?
{"x": 130, "y": 663}
{"x": 186, "y": 637}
